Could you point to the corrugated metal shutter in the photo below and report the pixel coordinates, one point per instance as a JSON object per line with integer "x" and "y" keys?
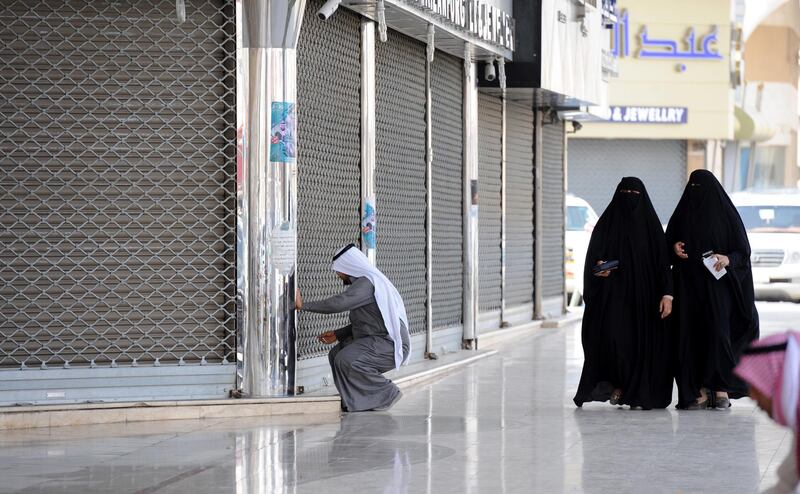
{"x": 446, "y": 82}
{"x": 117, "y": 159}
{"x": 329, "y": 176}
{"x": 519, "y": 205}
{"x": 400, "y": 170}
{"x": 597, "y": 165}
{"x": 489, "y": 137}
{"x": 552, "y": 212}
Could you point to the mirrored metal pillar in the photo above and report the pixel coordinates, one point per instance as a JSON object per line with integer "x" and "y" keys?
{"x": 368, "y": 206}
{"x": 430, "y": 53}
{"x": 470, "y": 116}
{"x": 266, "y": 78}
{"x": 538, "y": 218}
{"x": 501, "y": 65}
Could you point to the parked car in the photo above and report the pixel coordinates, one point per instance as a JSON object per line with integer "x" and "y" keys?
{"x": 580, "y": 222}
{"x": 772, "y": 220}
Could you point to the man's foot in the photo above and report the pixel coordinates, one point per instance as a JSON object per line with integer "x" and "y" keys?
{"x": 616, "y": 397}
{"x": 391, "y": 404}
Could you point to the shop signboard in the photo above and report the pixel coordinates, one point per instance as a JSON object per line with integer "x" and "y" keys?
{"x": 477, "y": 18}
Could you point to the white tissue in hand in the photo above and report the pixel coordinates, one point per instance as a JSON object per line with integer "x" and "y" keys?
{"x": 712, "y": 261}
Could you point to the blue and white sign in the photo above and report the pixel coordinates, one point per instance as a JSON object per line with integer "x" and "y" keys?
{"x": 647, "y": 115}
{"x": 694, "y": 47}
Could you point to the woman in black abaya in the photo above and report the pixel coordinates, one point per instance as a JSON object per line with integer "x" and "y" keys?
{"x": 625, "y": 342}
{"x": 715, "y": 319}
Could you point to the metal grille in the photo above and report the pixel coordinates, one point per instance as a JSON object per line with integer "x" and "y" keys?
{"x": 400, "y": 170}
{"x": 329, "y": 177}
{"x": 519, "y": 206}
{"x": 448, "y": 169}
{"x": 117, "y": 150}
{"x": 489, "y": 137}
{"x": 597, "y": 165}
{"x": 552, "y": 212}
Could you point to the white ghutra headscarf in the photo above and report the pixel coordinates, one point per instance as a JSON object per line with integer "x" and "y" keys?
{"x": 353, "y": 262}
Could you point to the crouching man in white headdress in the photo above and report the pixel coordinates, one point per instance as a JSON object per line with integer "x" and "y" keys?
{"x": 377, "y": 339}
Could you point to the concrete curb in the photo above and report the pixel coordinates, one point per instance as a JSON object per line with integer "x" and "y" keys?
{"x": 492, "y": 338}
{"x": 436, "y": 371}
{"x": 566, "y": 320}
{"x": 28, "y": 417}
{"x": 110, "y": 413}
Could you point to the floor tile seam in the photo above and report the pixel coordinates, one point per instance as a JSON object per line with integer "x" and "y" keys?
{"x": 172, "y": 436}
{"x": 204, "y": 424}
{"x": 772, "y": 458}
{"x": 174, "y": 479}
{"x": 141, "y": 448}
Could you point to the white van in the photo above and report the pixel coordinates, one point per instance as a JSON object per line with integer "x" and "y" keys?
{"x": 772, "y": 220}
{"x": 580, "y": 222}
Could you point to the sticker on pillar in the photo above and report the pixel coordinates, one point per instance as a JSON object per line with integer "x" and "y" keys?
{"x": 283, "y": 143}
{"x": 368, "y": 224}
{"x": 283, "y": 248}
{"x": 473, "y": 210}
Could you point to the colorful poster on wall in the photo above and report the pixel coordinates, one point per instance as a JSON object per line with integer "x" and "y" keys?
{"x": 283, "y": 135}
{"x": 368, "y": 224}
{"x": 473, "y": 209}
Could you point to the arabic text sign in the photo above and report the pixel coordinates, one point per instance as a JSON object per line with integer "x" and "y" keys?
{"x": 647, "y": 114}
{"x": 477, "y": 17}
{"x": 694, "y": 47}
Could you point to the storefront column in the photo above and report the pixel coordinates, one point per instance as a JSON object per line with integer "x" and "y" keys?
{"x": 503, "y": 191}
{"x": 266, "y": 227}
{"x": 368, "y": 203}
{"x": 470, "y": 115}
{"x": 564, "y": 214}
{"x": 429, "y": 54}
{"x": 538, "y": 219}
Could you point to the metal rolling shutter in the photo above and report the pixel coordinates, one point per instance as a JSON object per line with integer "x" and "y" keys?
{"x": 446, "y": 81}
{"x": 400, "y": 170}
{"x": 329, "y": 176}
{"x": 519, "y": 206}
{"x": 597, "y": 165}
{"x": 489, "y": 137}
{"x": 552, "y": 213}
{"x": 117, "y": 170}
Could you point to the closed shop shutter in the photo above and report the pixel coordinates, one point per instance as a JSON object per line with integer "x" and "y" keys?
{"x": 489, "y": 137}
{"x": 519, "y": 206}
{"x": 117, "y": 162}
{"x": 552, "y": 210}
{"x": 597, "y": 165}
{"x": 400, "y": 170}
{"x": 446, "y": 82}
{"x": 329, "y": 161}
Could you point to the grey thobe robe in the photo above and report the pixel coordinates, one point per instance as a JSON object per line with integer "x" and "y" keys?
{"x": 365, "y": 350}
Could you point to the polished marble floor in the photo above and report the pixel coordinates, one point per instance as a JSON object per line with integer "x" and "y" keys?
{"x": 505, "y": 424}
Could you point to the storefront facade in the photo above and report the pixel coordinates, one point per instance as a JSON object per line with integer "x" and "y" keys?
{"x": 158, "y": 215}
{"x": 671, "y": 108}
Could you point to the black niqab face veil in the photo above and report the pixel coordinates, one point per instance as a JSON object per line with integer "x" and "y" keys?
{"x": 702, "y": 184}
{"x": 629, "y": 192}
{"x": 706, "y": 219}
